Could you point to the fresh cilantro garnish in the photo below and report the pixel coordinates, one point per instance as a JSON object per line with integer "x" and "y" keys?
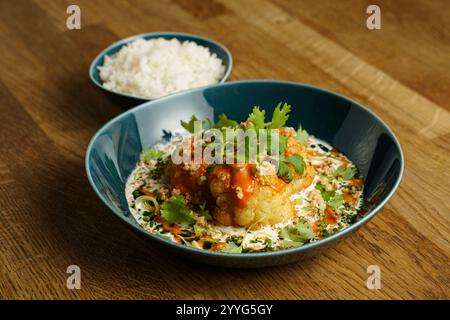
{"x": 189, "y": 126}
{"x": 299, "y": 233}
{"x": 302, "y": 136}
{"x": 346, "y": 173}
{"x": 297, "y": 161}
{"x": 283, "y": 143}
{"x": 285, "y": 172}
{"x": 231, "y": 247}
{"x": 289, "y": 243}
{"x": 257, "y": 118}
{"x": 336, "y": 201}
{"x": 224, "y": 122}
{"x": 148, "y": 154}
{"x": 256, "y": 121}
{"x": 330, "y": 197}
{"x": 280, "y": 116}
{"x": 326, "y": 195}
{"x": 175, "y": 210}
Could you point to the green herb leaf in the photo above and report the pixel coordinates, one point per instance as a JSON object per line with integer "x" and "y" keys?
{"x": 175, "y": 210}
{"x": 297, "y": 161}
{"x": 302, "y": 136}
{"x": 280, "y": 116}
{"x": 224, "y": 122}
{"x": 336, "y": 201}
{"x": 346, "y": 173}
{"x": 231, "y": 247}
{"x": 148, "y": 154}
{"x": 289, "y": 243}
{"x": 283, "y": 142}
{"x": 299, "y": 232}
{"x": 331, "y": 198}
{"x": 257, "y": 117}
{"x": 189, "y": 126}
{"x": 284, "y": 172}
{"x": 326, "y": 195}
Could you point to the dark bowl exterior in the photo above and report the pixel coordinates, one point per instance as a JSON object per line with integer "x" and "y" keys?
{"x": 345, "y": 124}
{"x": 129, "y": 99}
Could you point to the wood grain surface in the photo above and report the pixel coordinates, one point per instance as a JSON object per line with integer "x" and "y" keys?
{"x": 50, "y": 218}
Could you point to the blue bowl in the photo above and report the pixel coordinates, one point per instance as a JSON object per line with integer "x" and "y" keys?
{"x": 214, "y": 47}
{"x": 347, "y": 125}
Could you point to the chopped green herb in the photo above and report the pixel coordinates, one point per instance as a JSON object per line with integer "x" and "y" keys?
{"x": 257, "y": 118}
{"x": 190, "y": 126}
{"x": 326, "y": 195}
{"x": 283, "y": 142}
{"x": 148, "y": 154}
{"x": 224, "y": 122}
{"x": 336, "y": 201}
{"x": 231, "y": 247}
{"x": 302, "y": 136}
{"x": 284, "y": 172}
{"x": 236, "y": 239}
{"x": 175, "y": 210}
{"x": 346, "y": 173}
{"x": 280, "y": 116}
{"x": 298, "y": 233}
{"x": 297, "y": 161}
{"x": 289, "y": 243}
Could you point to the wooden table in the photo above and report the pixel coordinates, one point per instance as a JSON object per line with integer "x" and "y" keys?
{"x": 50, "y": 218}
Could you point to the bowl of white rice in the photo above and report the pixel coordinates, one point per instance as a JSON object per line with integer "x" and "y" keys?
{"x": 153, "y": 65}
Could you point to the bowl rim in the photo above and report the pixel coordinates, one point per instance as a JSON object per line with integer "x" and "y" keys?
{"x": 251, "y": 255}
{"x": 122, "y": 42}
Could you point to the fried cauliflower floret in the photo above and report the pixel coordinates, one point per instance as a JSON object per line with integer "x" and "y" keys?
{"x": 242, "y": 194}
{"x": 267, "y": 206}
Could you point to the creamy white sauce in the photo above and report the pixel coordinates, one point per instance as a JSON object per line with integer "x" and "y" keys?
{"x": 252, "y": 239}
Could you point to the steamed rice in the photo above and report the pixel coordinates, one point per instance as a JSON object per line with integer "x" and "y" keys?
{"x": 158, "y": 67}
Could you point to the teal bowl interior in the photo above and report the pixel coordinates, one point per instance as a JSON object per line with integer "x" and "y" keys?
{"x": 353, "y": 129}
{"x": 214, "y": 47}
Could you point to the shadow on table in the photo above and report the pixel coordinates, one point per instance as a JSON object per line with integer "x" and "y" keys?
{"x": 115, "y": 261}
